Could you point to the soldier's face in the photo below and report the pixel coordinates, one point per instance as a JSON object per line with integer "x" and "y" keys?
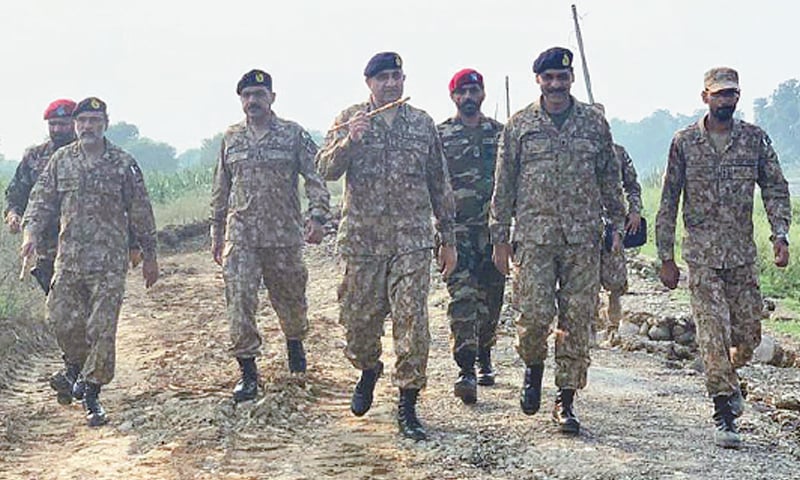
{"x": 256, "y": 101}
{"x": 90, "y": 127}
{"x": 386, "y": 86}
{"x": 468, "y": 99}
{"x": 555, "y": 85}
{"x": 722, "y": 103}
{"x": 62, "y": 131}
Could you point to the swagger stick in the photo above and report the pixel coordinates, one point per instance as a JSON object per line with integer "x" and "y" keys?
{"x": 372, "y": 113}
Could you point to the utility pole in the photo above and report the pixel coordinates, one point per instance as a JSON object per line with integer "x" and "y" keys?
{"x": 508, "y": 101}
{"x": 586, "y": 78}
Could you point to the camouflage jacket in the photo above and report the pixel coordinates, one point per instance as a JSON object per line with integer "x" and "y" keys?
{"x": 255, "y": 198}
{"x": 556, "y": 183}
{"x": 19, "y": 190}
{"x": 396, "y": 180}
{"x": 98, "y": 203}
{"x": 470, "y": 154}
{"x": 630, "y": 184}
{"x": 717, "y": 190}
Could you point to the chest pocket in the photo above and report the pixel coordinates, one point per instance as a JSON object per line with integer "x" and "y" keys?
{"x": 68, "y": 183}
{"x": 107, "y": 183}
{"x": 415, "y": 150}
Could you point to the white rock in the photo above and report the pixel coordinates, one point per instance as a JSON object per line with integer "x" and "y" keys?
{"x": 767, "y": 350}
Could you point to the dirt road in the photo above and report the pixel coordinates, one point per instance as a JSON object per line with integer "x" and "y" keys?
{"x": 171, "y": 418}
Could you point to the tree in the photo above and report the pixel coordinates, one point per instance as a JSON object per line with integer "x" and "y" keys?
{"x": 647, "y": 141}
{"x": 779, "y": 115}
{"x": 149, "y": 154}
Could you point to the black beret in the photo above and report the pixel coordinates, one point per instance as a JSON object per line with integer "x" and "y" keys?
{"x": 556, "y": 58}
{"x": 90, "y": 104}
{"x": 254, "y": 78}
{"x": 382, "y": 61}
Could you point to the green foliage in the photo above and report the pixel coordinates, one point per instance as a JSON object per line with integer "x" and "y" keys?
{"x": 150, "y": 154}
{"x": 775, "y": 282}
{"x": 647, "y": 141}
{"x": 167, "y": 187}
{"x": 779, "y": 115}
{"x": 18, "y": 299}
{"x": 206, "y": 155}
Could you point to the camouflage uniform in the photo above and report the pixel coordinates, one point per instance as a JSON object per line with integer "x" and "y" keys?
{"x": 613, "y": 272}
{"x": 476, "y": 287}
{"x": 556, "y": 183}
{"x": 18, "y": 191}
{"x": 95, "y": 201}
{"x": 718, "y": 245}
{"x": 396, "y": 181}
{"x": 255, "y": 203}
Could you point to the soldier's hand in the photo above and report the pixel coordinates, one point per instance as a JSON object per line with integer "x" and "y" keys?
{"x": 314, "y": 232}
{"x": 150, "y": 272}
{"x": 502, "y": 255}
{"x": 781, "y": 251}
{"x": 14, "y": 221}
{"x": 28, "y": 245}
{"x": 135, "y": 256}
{"x": 357, "y": 125}
{"x": 670, "y": 274}
{"x": 616, "y": 242}
{"x": 633, "y": 223}
{"x": 447, "y": 260}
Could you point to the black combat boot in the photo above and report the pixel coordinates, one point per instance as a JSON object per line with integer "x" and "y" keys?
{"x": 485, "y": 371}
{"x": 79, "y": 388}
{"x": 531, "y": 395}
{"x": 407, "y": 415}
{"x": 247, "y": 386}
{"x": 297, "y": 356}
{"x": 362, "y": 394}
{"x": 726, "y": 434}
{"x": 564, "y": 413}
{"x": 466, "y": 387}
{"x": 63, "y": 382}
{"x": 95, "y": 414}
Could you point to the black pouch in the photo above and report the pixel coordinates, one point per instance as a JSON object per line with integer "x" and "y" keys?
{"x": 630, "y": 240}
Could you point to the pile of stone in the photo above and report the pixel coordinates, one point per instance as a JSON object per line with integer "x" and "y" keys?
{"x": 680, "y": 330}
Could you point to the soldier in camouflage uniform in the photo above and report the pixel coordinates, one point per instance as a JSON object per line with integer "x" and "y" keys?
{"x": 95, "y": 192}
{"x": 715, "y": 164}
{"x": 396, "y": 180}
{"x": 62, "y": 132}
{"x": 613, "y": 271}
{"x": 556, "y": 175}
{"x": 469, "y": 141}
{"x": 257, "y": 226}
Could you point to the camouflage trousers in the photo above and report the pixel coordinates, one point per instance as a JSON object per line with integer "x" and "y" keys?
{"x": 613, "y": 271}
{"x": 83, "y": 309}
{"x": 726, "y": 305}
{"x": 562, "y": 281}
{"x": 285, "y": 276}
{"x": 476, "y": 292}
{"x": 374, "y": 287}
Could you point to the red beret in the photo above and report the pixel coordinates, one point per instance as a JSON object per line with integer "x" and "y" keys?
{"x": 61, "y": 108}
{"x": 465, "y": 76}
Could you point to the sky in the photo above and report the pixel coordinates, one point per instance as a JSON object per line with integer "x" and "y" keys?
{"x": 171, "y": 67}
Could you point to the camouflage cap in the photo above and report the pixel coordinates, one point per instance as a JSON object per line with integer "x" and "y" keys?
{"x": 721, "y": 78}
{"x": 90, "y": 104}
